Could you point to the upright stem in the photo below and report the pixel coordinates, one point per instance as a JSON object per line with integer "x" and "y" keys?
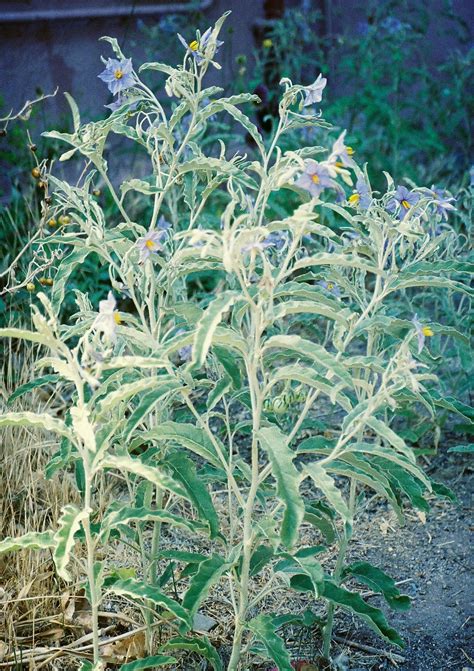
{"x": 327, "y": 633}
{"x": 256, "y": 397}
{"x": 95, "y": 596}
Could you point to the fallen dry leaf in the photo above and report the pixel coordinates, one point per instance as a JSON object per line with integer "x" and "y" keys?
{"x": 125, "y": 649}
{"x": 3, "y": 650}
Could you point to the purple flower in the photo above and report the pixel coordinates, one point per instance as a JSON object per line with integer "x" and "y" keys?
{"x": 277, "y": 240}
{"x": 314, "y": 92}
{"x": 315, "y": 178}
{"x": 361, "y": 197}
{"x": 163, "y": 224}
{"x": 150, "y": 244}
{"x": 118, "y": 75}
{"x": 339, "y": 150}
{"x": 185, "y": 352}
{"x": 331, "y": 287}
{"x": 404, "y": 200}
{"x": 123, "y": 99}
{"x": 198, "y": 47}
{"x": 443, "y": 202}
{"x": 422, "y": 332}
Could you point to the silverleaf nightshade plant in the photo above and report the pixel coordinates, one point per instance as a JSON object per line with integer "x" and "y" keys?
{"x": 190, "y": 392}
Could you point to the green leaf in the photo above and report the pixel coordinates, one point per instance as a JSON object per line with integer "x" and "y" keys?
{"x": 202, "y": 646}
{"x": 28, "y": 386}
{"x": 318, "y": 354}
{"x": 76, "y": 118}
{"x": 379, "y": 581}
{"x": 66, "y": 267}
{"x": 463, "y": 449}
{"x": 124, "y": 515}
{"x": 228, "y": 363}
{"x": 329, "y": 259}
{"x": 326, "y": 484}
{"x": 44, "y": 421}
{"x": 148, "y": 663}
{"x": 138, "y": 590}
{"x": 126, "y": 391}
{"x": 428, "y": 281}
{"x": 288, "y": 479}
{"x": 371, "y": 615}
{"x": 307, "y": 565}
{"x": 30, "y": 541}
{"x": 207, "y": 575}
{"x": 189, "y": 436}
{"x": 391, "y": 437}
{"x": 208, "y": 323}
{"x": 69, "y": 523}
{"x": 311, "y": 307}
{"x": 24, "y": 334}
{"x": 144, "y": 470}
{"x": 184, "y": 472}
{"x": 306, "y": 375}
{"x": 264, "y": 630}
{"x": 147, "y": 403}
{"x": 221, "y": 388}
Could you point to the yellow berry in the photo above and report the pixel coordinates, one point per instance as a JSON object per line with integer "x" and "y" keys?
{"x": 64, "y": 220}
{"x": 36, "y": 172}
{"x": 96, "y": 193}
{"x": 52, "y": 223}
{"x": 30, "y": 286}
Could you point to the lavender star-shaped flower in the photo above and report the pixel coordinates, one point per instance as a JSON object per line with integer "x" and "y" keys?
{"x": 404, "y": 200}
{"x": 344, "y": 153}
{"x": 422, "y": 332}
{"x": 198, "y": 47}
{"x": 314, "y": 92}
{"x": 443, "y": 202}
{"x": 315, "y": 178}
{"x": 150, "y": 244}
{"x": 361, "y": 198}
{"x": 118, "y": 75}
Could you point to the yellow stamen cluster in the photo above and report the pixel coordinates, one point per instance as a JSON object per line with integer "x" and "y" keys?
{"x": 150, "y": 244}
{"x": 315, "y": 179}
{"x": 118, "y": 74}
{"x": 117, "y": 319}
{"x": 427, "y": 331}
{"x": 194, "y": 45}
{"x": 354, "y": 199}
{"x": 406, "y": 204}
{"x": 350, "y": 151}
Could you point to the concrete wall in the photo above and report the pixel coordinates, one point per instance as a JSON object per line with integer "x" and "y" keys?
{"x": 43, "y": 54}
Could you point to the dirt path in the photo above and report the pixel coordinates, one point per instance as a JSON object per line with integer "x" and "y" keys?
{"x": 437, "y": 561}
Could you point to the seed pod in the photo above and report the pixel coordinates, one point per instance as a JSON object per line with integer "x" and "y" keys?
{"x": 36, "y": 172}
{"x": 33, "y": 148}
{"x": 30, "y": 287}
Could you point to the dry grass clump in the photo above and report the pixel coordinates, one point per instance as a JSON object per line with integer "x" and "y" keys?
{"x": 30, "y": 591}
